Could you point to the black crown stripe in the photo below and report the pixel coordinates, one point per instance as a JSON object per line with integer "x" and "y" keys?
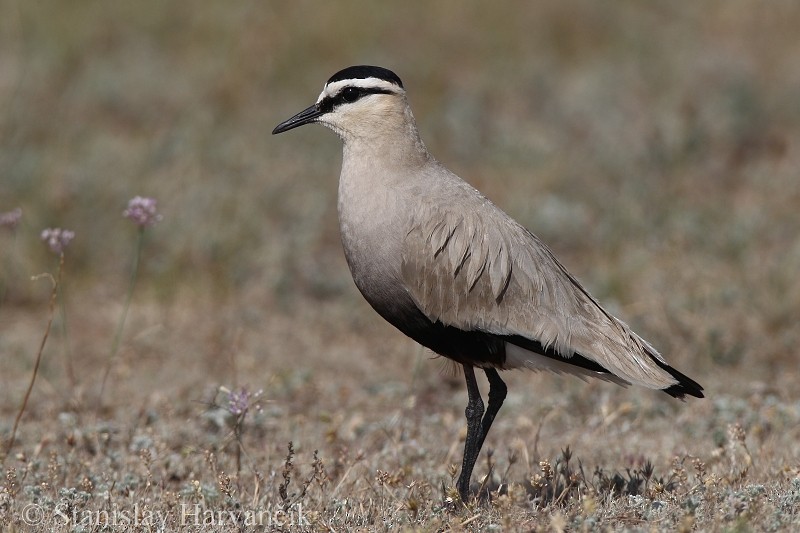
{"x": 361, "y": 72}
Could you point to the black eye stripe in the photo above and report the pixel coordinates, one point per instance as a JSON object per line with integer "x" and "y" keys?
{"x": 347, "y": 95}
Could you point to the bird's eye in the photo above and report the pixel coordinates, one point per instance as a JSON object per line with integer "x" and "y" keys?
{"x": 350, "y": 94}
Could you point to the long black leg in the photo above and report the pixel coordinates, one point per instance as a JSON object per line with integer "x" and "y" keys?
{"x": 472, "y": 444}
{"x": 497, "y": 394}
{"x": 478, "y": 423}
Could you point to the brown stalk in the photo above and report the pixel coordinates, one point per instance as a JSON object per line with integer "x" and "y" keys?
{"x": 51, "y": 308}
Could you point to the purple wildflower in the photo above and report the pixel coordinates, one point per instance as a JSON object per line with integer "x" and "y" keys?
{"x": 239, "y": 402}
{"x": 57, "y": 239}
{"x": 142, "y": 211}
{"x": 11, "y": 218}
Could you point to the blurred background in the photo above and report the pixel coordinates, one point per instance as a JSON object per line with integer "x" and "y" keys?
{"x": 654, "y": 146}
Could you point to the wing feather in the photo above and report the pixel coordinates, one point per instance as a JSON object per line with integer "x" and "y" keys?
{"x": 477, "y": 269}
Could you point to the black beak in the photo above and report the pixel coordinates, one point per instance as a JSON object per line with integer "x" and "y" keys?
{"x": 306, "y": 116}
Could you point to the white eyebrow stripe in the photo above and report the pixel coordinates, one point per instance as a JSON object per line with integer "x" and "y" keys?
{"x": 362, "y": 83}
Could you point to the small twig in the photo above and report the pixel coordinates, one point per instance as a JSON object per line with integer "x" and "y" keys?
{"x": 51, "y": 309}
{"x": 344, "y": 476}
{"x": 542, "y": 420}
{"x": 567, "y": 487}
{"x": 470, "y": 520}
{"x": 257, "y": 489}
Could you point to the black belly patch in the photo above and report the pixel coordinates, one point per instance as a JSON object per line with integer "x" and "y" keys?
{"x": 482, "y": 349}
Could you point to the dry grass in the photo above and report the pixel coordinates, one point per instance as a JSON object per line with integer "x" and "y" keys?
{"x": 655, "y": 146}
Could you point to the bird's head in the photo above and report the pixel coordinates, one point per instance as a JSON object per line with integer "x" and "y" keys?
{"x": 354, "y": 102}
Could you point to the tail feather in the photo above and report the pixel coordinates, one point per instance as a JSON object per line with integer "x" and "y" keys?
{"x": 585, "y": 366}
{"x": 685, "y": 385}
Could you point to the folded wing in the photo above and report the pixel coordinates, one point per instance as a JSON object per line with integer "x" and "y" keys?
{"x": 476, "y": 269}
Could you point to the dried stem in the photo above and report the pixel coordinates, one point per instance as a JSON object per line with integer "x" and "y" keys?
{"x": 51, "y": 309}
